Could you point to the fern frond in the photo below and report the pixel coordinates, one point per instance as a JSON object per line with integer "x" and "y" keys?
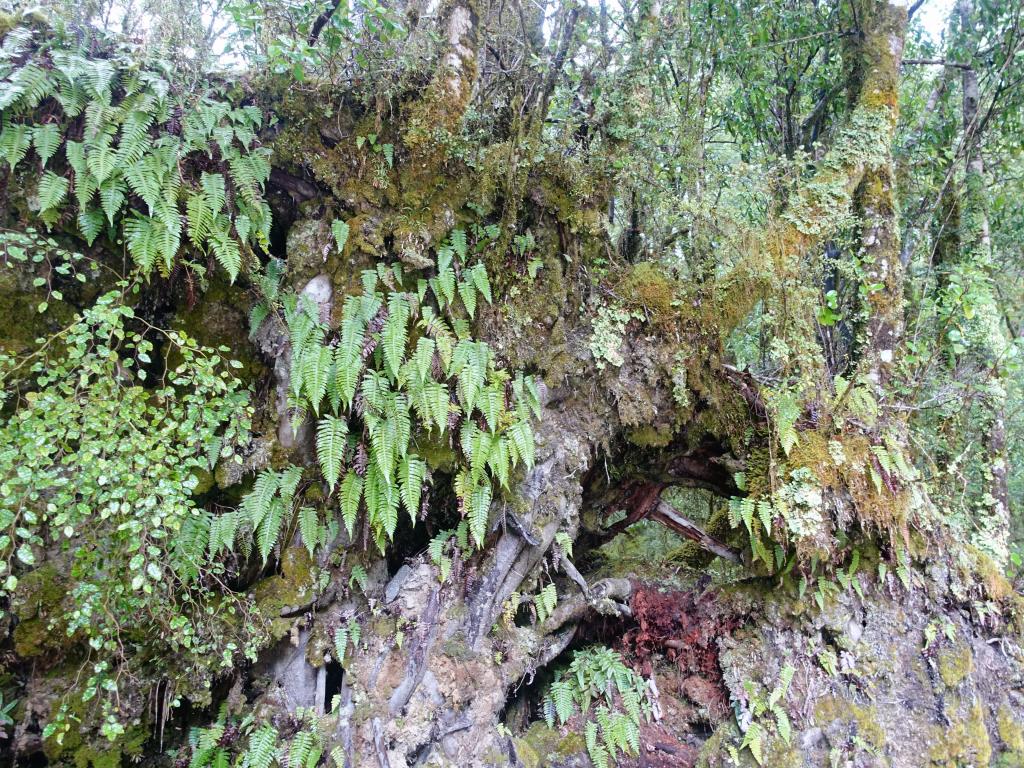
{"x": 46, "y": 139}
{"x": 309, "y": 528}
{"x": 331, "y": 435}
{"x": 351, "y": 493}
{"x": 411, "y": 474}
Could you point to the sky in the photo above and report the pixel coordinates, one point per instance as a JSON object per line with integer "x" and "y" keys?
{"x": 933, "y": 15}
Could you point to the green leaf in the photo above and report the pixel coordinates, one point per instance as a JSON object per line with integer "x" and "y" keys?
{"x": 309, "y": 528}
{"x": 395, "y": 333}
{"x": 351, "y": 492}
{"x": 479, "y": 510}
{"x": 316, "y": 367}
{"x": 53, "y": 189}
{"x": 331, "y": 437}
{"x": 46, "y": 139}
{"x": 411, "y": 473}
{"x": 340, "y": 231}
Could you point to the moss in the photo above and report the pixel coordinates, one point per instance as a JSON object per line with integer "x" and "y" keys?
{"x": 105, "y": 755}
{"x": 647, "y": 288}
{"x": 1011, "y": 733}
{"x": 220, "y": 319}
{"x": 966, "y": 742}
{"x": 695, "y": 556}
{"x": 547, "y": 746}
{"x": 293, "y": 587}
{"x": 456, "y": 648}
{"x": 862, "y": 719}
{"x": 955, "y": 664}
{"x": 651, "y": 436}
{"x": 40, "y": 593}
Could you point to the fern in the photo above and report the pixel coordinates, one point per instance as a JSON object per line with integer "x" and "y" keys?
{"x": 351, "y": 493}
{"x": 412, "y": 473}
{"x": 262, "y": 748}
{"x": 340, "y": 231}
{"x": 330, "y": 445}
{"x": 316, "y": 369}
{"x": 52, "y": 191}
{"x": 46, "y": 139}
{"x": 309, "y": 528}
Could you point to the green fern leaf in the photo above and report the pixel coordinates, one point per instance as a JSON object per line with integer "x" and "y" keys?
{"x": 227, "y": 253}
{"x": 395, "y": 333}
{"x": 256, "y": 503}
{"x": 522, "y": 438}
{"x": 316, "y": 367}
{"x": 479, "y": 509}
{"x": 14, "y": 143}
{"x": 46, "y": 139}
{"x": 53, "y": 189}
{"x": 200, "y": 219}
{"x": 458, "y": 242}
{"x": 478, "y": 274}
{"x": 309, "y": 528}
{"x": 112, "y": 197}
{"x": 270, "y": 528}
{"x": 262, "y": 748}
{"x": 351, "y": 493}
{"x": 340, "y": 231}
{"x": 411, "y": 474}
{"x": 90, "y": 224}
{"x": 331, "y": 437}
{"x": 340, "y": 641}
{"x": 467, "y": 292}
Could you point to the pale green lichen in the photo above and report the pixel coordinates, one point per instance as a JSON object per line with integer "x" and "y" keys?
{"x": 609, "y": 330}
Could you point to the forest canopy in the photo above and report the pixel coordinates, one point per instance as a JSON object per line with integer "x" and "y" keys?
{"x": 551, "y": 383}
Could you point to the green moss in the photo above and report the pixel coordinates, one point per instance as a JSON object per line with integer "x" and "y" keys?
{"x": 543, "y": 746}
{"x": 40, "y": 593}
{"x": 106, "y": 755}
{"x": 456, "y": 648}
{"x": 966, "y": 742}
{"x": 862, "y": 719}
{"x": 1010, "y": 731}
{"x": 294, "y": 586}
{"x": 1011, "y": 734}
{"x": 955, "y": 664}
{"x": 651, "y": 436}
{"x": 648, "y": 289}
{"x": 220, "y": 319}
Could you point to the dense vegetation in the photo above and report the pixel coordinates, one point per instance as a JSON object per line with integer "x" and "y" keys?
{"x": 467, "y": 383}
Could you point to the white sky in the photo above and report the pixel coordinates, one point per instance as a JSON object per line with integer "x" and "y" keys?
{"x": 933, "y": 15}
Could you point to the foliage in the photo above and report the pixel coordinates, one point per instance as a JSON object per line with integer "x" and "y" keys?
{"x": 752, "y": 713}
{"x": 149, "y": 162}
{"x": 100, "y": 470}
{"x": 400, "y": 367}
{"x": 599, "y": 674}
{"x": 245, "y": 743}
